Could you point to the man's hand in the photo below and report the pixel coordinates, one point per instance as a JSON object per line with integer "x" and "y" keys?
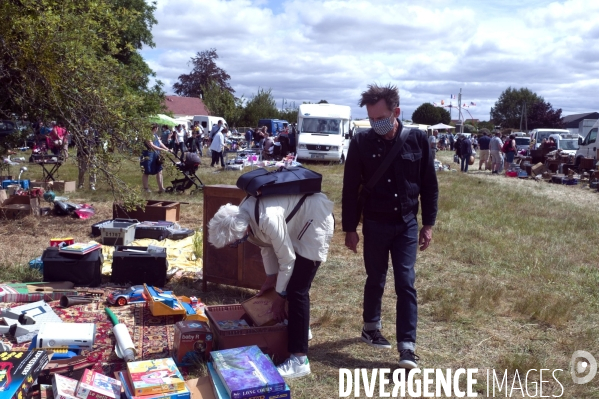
{"x": 278, "y": 309}
{"x": 270, "y": 282}
{"x": 426, "y": 235}
{"x": 351, "y": 240}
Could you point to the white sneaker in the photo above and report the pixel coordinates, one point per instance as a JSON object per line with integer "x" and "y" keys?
{"x": 92, "y": 187}
{"x": 292, "y": 368}
{"x": 309, "y": 334}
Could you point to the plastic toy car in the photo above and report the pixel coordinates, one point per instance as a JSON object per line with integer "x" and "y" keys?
{"x": 133, "y": 294}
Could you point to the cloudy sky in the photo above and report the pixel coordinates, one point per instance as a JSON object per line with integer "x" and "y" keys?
{"x": 307, "y": 50}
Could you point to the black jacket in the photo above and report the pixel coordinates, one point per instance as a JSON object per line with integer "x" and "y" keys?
{"x": 413, "y": 168}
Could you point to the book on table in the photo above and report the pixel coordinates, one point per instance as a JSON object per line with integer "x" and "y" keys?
{"x": 81, "y": 248}
{"x": 247, "y": 372}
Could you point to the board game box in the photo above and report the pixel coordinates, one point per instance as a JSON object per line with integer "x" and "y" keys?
{"x": 18, "y": 371}
{"x": 220, "y": 391}
{"x": 155, "y": 376}
{"x": 95, "y": 385}
{"x": 128, "y": 389}
{"x": 63, "y": 387}
{"x": 247, "y": 372}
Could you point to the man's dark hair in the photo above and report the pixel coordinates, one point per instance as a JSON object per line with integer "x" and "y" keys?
{"x": 376, "y": 93}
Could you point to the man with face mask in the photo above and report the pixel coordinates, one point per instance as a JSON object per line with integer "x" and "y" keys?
{"x": 389, "y": 214}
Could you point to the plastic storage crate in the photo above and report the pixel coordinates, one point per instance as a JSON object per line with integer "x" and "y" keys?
{"x": 271, "y": 340}
{"x": 118, "y": 233}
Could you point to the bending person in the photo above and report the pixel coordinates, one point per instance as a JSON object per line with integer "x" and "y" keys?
{"x": 291, "y": 251}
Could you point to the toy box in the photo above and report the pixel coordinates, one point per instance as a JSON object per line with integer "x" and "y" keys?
{"x": 98, "y": 386}
{"x": 247, "y": 372}
{"x": 18, "y": 371}
{"x": 128, "y": 390}
{"x": 193, "y": 342}
{"x": 155, "y": 376}
{"x": 118, "y": 233}
{"x": 220, "y": 391}
{"x": 63, "y": 387}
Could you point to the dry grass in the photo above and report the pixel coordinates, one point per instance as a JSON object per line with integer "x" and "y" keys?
{"x": 510, "y": 281}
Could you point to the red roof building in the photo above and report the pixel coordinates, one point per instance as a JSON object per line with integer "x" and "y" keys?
{"x": 185, "y": 106}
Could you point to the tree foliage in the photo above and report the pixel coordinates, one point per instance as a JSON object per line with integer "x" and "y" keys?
{"x": 204, "y": 70}
{"x": 222, "y": 103}
{"x": 444, "y": 115}
{"x": 428, "y": 114}
{"x": 542, "y": 115}
{"x": 508, "y": 108}
{"x": 260, "y": 106}
{"x": 77, "y": 63}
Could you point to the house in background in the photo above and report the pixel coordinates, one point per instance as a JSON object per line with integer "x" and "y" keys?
{"x": 572, "y": 122}
{"x": 185, "y": 107}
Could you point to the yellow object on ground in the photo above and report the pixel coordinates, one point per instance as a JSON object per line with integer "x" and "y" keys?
{"x": 179, "y": 254}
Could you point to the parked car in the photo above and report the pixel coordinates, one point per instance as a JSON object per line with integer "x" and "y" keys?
{"x": 7, "y": 128}
{"x": 522, "y": 143}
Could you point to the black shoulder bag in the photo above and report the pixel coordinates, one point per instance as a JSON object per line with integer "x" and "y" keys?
{"x": 367, "y": 189}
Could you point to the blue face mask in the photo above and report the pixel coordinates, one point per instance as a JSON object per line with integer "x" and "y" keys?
{"x": 383, "y": 126}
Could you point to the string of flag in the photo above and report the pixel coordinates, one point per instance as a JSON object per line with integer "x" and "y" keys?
{"x": 452, "y": 96}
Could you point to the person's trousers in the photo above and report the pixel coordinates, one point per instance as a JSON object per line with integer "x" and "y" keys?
{"x": 85, "y": 163}
{"x": 399, "y": 239}
{"x": 464, "y": 164}
{"x": 298, "y": 296}
{"x": 216, "y": 156}
{"x": 179, "y": 146}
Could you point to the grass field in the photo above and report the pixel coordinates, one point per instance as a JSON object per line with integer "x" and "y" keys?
{"x": 510, "y": 281}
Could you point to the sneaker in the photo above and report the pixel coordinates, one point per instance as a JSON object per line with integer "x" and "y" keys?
{"x": 407, "y": 359}
{"x": 292, "y": 368}
{"x": 92, "y": 187}
{"x": 147, "y": 190}
{"x": 80, "y": 187}
{"x": 375, "y": 338}
{"x": 309, "y": 334}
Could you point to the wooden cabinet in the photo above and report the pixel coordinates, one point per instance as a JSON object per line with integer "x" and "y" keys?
{"x": 241, "y": 266}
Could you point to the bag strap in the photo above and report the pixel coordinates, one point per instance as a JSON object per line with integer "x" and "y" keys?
{"x": 290, "y": 216}
{"x": 388, "y": 159}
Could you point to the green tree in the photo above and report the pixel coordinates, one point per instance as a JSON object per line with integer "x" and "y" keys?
{"x": 204, "y": 71}
{"x": 260, "y": 106}
{"x": 490, "y": 126}
{"x": 542, "y": 115}
{"x": 444, "y": 115}
{"x": 322, "y": 102}
{"x": 289, "y": 114}
{"x": 508, "y": 108}
{"x": 222, "y": 103}
{"x": 427, "y": 114}
{"x": 65, "y": 61}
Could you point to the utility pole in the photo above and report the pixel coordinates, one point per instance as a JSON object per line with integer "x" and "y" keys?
{"x": 460, "y": 118}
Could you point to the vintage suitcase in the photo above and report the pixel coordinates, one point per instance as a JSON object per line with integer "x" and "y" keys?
{"x": 81, "y": 270}
{"x": 154, "y": 230}
{"x": 135, "y": 265}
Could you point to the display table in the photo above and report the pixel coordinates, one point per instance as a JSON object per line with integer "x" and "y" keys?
{"x": 241, "y": 266}
{"x": 50, "y": 165}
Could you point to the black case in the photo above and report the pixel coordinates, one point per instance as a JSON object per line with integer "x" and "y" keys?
{"x": 138, "y": 268}
{"x": 81, "y": 270}
{"x": 154, "y": 230}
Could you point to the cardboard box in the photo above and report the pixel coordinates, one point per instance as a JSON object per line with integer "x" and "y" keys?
{"x": 98, "y": 386}
{"x": 64, "y": 387}
{"x": 62, "y": 186}
{"x": 200, "y": 388}
{"x": 271, "y": 340}
{"x": 538, "y": 169}
{"x": 19, "y": 206}
{"x": 193, "y": 342}
{"x": 20, "y": 370}
{"x": 258, "y": 308}
{"x": 46, "y": 185}
{"x": 154, "y": 211}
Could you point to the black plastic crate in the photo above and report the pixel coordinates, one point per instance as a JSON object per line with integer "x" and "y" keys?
{"x": 135, "y": 265}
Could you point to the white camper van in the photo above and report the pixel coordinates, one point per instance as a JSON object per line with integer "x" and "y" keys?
{"x": 207, "y": 121}
{"x": 587, "y": 147}
{"x": 323, "y": 132}
{"x": 539, "y": 134}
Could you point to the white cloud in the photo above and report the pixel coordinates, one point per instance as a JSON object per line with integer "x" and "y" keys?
{"x": 312, "y": 50}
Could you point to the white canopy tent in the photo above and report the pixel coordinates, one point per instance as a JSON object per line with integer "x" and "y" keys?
{"x": 440, "y": 126}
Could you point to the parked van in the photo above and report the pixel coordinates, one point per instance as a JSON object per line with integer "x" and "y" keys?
{"x": 539, "y": 134}
{"x": 568, "y": 143}
{"x": 359, "y": 125}
{"x": 207, "y": 121}
{"x": 323, "y": 132}
{"x": 273, "y": 125}
{"x": 587, "y": 147}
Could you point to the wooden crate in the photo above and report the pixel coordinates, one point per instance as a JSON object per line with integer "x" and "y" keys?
{"x": 241, "y": 266}
{"x": 154, "y": 211}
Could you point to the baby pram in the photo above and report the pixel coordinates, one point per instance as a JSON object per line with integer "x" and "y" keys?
{"x": 188, "y": 165}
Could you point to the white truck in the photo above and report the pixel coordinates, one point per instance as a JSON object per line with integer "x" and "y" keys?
{"x": 587, "y": 147}
{"x": 324, "y": 133}
{"x": 566, "y": 142}
{"x": 539, "y": 134}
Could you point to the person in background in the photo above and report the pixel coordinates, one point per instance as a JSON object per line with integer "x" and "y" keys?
{"x": 217, "y": 147}
{"x": 249, "y": 138}
{"x": 150, "y": 162}
{"x": 432, "y": 140}
{"x": 87, "y": 145}
{"x": 292, "y": 252}
{"x": 216, "y": 128}
{"x": 283, "y": 138}
{"x": 451, "y": 138}
{"x": 179, "y": 140}
{"x": 293, "y": 138}
{"x": 166, "y": 137}
{"x": 465, "y": 153}
{"x": 55, "y": 139}
{"x": 495, "y": 146}
{"x": 390, "y": 226}
{"x": 509, "y": 148}
{"x": 484, "y": 154}
{"x": 194, "y": 143}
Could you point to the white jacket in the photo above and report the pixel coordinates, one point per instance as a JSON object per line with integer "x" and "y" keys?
{"x": 218, "y": 142}
{"x": 308, "y": 233}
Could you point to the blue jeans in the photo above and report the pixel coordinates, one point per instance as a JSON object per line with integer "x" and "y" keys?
{"x": 401, "y": 240}
{"x": 464, "y": 165}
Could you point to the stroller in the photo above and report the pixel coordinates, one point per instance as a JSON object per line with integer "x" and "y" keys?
{"x": 188, "y": 165}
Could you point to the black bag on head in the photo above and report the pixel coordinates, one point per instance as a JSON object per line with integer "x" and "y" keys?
{"x": 284, "y": 181}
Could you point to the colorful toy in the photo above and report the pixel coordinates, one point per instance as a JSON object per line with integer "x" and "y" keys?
{"x": 133, "y": 294}
{"x": 165, "y": 303}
